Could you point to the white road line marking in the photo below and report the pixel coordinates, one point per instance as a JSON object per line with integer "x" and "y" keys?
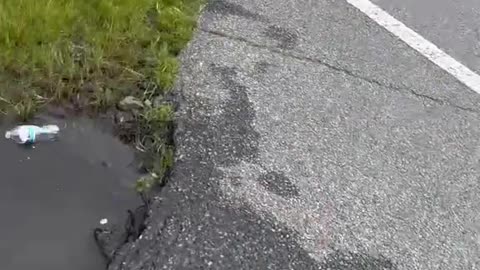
{"x": 420, "y": 44}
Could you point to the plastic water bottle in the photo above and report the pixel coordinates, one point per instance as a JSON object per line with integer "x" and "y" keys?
{"x": 28, "y": 134}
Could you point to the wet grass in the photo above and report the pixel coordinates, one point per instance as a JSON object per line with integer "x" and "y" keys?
{"x": 86, "y": 55}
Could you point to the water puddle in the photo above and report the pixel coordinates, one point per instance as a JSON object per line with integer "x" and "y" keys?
{"x": 52, "y": 196}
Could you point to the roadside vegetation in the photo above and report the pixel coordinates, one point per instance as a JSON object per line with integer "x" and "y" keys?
{"x": 88, "y": 55}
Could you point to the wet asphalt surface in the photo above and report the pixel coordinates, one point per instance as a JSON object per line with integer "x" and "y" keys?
{"x": 53, "y": 196}
{"x": 307, "y": 137}
{"x": 311, "y": 138}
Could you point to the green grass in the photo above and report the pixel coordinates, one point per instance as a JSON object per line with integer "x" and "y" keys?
{"x": 50, "y": 48}
{"x": 157, "y": 151}
{"x": 91, "y": 54}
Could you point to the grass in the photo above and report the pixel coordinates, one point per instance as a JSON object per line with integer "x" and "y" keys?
{"x": 89, "y": 54}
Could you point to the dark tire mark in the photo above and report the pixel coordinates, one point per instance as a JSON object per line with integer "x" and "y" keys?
{"x": 238, "y": 137}
{"x": 341, "y": 260}
{"x": 279, "y": 183}
{"x": 286, "y": 39}
{"x": 261, "y": 67}
{"x": 231, "y": 9}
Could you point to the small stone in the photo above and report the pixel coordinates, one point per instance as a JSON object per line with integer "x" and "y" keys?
{"x": 130, "y": 103}
{"x": 148, "y": 103}
{"x": 103, "y": 221}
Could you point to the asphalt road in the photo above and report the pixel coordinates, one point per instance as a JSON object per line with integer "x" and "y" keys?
{"x": 452, "y": 25}
{"x": 309, "y": 137}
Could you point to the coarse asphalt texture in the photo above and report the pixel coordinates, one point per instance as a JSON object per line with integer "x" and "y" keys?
{"x": 311, "y": 138}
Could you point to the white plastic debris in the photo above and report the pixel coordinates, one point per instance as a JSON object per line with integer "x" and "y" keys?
{"x": 103, "y": 221}
{"x": 31, "y": 134}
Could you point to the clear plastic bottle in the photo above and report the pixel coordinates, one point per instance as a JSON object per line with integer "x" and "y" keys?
{"x": 26, "y": 134}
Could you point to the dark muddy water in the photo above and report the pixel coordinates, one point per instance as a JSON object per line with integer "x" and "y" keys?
{"x": 53, "y": 196}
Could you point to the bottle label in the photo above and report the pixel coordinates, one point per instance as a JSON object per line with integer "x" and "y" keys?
{"x": 31, "y": 135}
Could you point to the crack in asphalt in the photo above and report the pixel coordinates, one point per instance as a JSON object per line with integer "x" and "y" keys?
{"x": 343, "y": 70}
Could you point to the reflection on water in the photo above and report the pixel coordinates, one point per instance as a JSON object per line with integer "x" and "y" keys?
{"x": 53, "y": 195}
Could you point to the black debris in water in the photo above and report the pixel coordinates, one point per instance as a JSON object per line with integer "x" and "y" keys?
{"x": 109, "y": 239}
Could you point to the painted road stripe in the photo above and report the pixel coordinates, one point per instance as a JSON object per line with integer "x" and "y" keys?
{"x": 420, "y": 44}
